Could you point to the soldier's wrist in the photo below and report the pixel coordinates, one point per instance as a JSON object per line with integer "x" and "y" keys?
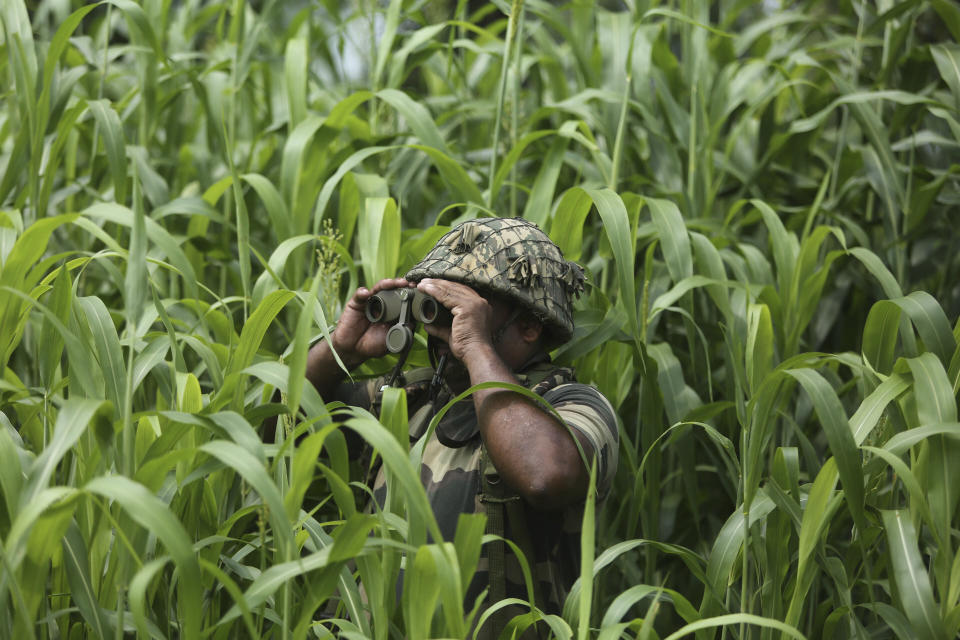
{"x": 350, "y": 359}
{"x": 479, "y": 352}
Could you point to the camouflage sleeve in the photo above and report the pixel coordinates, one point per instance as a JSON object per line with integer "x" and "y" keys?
{"x": 585, "y": 409}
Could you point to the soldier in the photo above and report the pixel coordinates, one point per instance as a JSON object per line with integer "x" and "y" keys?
{"x": 509, "y": 291}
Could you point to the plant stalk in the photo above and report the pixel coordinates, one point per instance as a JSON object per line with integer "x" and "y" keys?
{"x": 515, "y": 10}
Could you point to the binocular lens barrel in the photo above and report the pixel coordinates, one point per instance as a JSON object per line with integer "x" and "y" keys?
{"x": 390, "y": 304}
{"x": 375, "y": 309}
{"x": 386, "y": 305}
{"x": 427, "y": 311}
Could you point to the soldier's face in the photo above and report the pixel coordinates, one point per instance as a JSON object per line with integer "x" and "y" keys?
{"x": 508, "y": 341}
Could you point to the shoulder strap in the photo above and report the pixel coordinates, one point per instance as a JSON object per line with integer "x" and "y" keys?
{"x": 545, "y": 376}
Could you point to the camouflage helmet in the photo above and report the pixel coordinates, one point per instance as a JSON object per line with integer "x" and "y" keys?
{"x": 514, "y": 259}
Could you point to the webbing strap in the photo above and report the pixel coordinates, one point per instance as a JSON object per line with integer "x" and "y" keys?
{"x": 497, "y": 567}
{"x": 520, "y": 533}
{"x": 501, "y": 503}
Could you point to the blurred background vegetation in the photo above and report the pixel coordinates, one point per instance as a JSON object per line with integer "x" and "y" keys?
{"x": 763, "y": 195}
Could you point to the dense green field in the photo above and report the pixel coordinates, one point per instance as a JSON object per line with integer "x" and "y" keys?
{"x": 764, "y": 199}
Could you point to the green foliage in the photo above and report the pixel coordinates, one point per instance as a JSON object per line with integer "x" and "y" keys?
{"x": 761, "y": 197}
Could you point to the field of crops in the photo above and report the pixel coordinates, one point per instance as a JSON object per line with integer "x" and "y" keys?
{"x": 764, "y": 198}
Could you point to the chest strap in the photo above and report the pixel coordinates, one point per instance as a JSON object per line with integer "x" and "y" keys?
{"x": 502, "y": 503}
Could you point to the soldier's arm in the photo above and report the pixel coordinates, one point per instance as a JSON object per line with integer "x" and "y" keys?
{"x": 532, "y": 450}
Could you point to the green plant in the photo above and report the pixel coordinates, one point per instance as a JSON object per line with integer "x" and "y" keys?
{"x": 761, "y": 197}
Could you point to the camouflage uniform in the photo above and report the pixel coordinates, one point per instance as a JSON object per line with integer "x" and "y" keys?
{"x": 515, "y": 260}
{"x": 452, "y": 467}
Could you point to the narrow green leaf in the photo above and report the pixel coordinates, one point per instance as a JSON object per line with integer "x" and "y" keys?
{"x": 467, "y": 542}
{"x": 277, "y": 375}
{"x": 422, "y": 38}
{"x": 454, "y": 175}
{"x": 675, "y": 293}
{"x": 397, "y": 462}
{"x": 140, "y": 26}
{"x": 931, "y": 323}
{"x": 138, "y": 596}
{"x": 158, "y": 236}
{"x": 378, "y": 239}
{"x": 676, "y": 15}
{"x": 612, "y": 554}
{"x": 784, "y": 245}
{"x": 616, "y": 225}
{"x": 277, "y": 211}
{"x": 673, "y": 237}
{"x": 421, "y": 594}
{"x": 300, "y": 347}
{"x": 950, "y": 15}
{"x": 253, "y": 471}
{"x": 313, "y": 130}
{"x": 728, "y": 544}
{"x": 760, "y": 346}
{"x": 935, "y": 400}
{"x": 417, "y": 116}
{"x": 871, "y": 409}
{"x": 347, "y": 165}
{"x": 267, "y": 583}
{"x": 567, "y": 228}
{"x": 77, "y": 564}
{"x": 545, "y": 185}
{"x": 510, "y": 160}
{"x": 736, "y": 619}
{"x": 710, "y": 263}
{"x": 820, "y": 506}
{"x": 947, "y": 59}
{"x": 625, "y": 601}
{"x": 837, "y": 429}
{"x": 256, "y": 327}
{"x": 11, "y": 472}
{"x": 29, "y": 248}
{"x": 918, "y": 498}
{"x": 73, "y": 419}
{"x": 856, "y": 98}
{"x": 57, "y": 46}
{"x": 271, "y": 278}
{"x": 113, "y": 141}
{"x": 107, "y": 349}
{"x": 870, "y": 260}
{"x": 880, "y": 335}
{"x": 302, "y": 470}
{"x": 295, "y": 62}
{"x": 587, "y": 551}
{"x": 154, "y": 516}
{"x": 913, "y": 583}
{"x": 385, "y": 46}
{"x": 60, "y": 303}
{"x": 903, "y": 441}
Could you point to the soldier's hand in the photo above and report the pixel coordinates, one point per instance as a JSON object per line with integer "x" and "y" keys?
{"x": 472, "y": 316}
{"x": 355, "y": 338}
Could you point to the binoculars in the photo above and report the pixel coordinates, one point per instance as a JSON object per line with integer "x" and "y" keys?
{"x": 405, "y": 306}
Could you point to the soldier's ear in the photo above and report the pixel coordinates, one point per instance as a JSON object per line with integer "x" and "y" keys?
{"x": 530, "y": 328}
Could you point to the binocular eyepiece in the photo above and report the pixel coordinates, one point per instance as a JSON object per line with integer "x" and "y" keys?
{"x": 404, "y": 306}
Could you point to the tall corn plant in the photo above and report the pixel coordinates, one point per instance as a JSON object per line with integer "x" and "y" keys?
{"x": 760, "y": 196}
